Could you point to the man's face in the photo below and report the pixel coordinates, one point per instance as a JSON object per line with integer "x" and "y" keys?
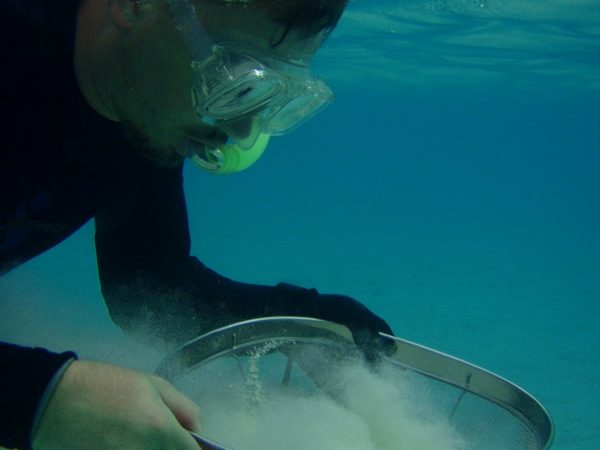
{"x": 154, "y": 103}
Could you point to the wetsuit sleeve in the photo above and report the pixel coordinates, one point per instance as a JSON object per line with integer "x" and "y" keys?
{"x": 25, "y": 374}
{"x": 153, "y": 288}
{"x": 151, "y": 284}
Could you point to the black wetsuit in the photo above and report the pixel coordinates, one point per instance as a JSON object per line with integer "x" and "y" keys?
{"x": 62, "y": 164}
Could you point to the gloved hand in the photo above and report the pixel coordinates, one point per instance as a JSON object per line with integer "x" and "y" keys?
{"x": 362, "y": 322}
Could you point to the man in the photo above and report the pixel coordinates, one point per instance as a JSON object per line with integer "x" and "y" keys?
{"x": 101, "y": 102}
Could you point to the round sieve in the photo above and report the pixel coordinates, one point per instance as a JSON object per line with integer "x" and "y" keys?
{"x": 292, "y": 382}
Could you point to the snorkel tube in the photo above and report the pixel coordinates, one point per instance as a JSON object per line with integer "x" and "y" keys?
{"x": 230, "y": 158}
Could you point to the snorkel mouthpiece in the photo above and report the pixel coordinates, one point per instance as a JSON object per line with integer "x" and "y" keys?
{"x": 231, "y": 158}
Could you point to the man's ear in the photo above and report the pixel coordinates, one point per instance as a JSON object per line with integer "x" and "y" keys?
{"x": 125, "y": 13}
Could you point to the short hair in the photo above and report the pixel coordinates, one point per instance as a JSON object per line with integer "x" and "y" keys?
{"x": 307, "y": 18}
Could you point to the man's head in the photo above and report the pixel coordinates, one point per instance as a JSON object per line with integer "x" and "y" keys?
{"x": 134, "y": 58}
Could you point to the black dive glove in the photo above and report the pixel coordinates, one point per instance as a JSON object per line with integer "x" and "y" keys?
{"x": 362, "y": 322}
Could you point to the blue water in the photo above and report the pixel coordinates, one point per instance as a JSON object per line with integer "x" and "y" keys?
{"x": 454, "y": 187}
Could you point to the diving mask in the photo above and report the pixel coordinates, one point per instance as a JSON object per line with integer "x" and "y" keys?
{"x": 234, "y": 82}
{"x": 244, "y": 93}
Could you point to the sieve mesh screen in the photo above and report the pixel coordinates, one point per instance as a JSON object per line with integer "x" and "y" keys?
{"x": 310, "y": 390}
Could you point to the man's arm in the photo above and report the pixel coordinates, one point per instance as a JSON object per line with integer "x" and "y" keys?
{"x": 26, "y": 374}
{"x": 153, "y": 287}
{"x": 52, "y": 401}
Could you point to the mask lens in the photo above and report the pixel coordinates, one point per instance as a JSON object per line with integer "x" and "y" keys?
{"x": 243, "y": 132}
{"x": 298, "y": 109}
{"x": 229, "y": 85}
{"x": 232, "y": 89}
{"x": 241, "y": 98}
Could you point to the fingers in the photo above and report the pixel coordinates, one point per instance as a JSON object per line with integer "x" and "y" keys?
{"x": 363, "y": 323}
{"x": 185, "y": 410}
{"x": 102, "y": 407}
{"x": 350, "y": 312}
{"x": 206, "y": 443}
{"x": 383, "y": 326}
{"x": 183, "y": 440}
